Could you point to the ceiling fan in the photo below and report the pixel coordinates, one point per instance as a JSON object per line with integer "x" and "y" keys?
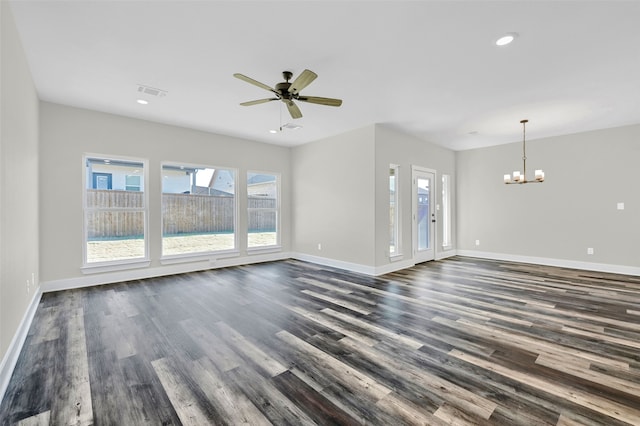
{"x": 289, "y": 92}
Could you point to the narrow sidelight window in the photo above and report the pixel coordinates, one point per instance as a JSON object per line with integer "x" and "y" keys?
{"x": 394, "y": 211}
{"x": 263, "y": 209}
{"x": 446, "y": 211}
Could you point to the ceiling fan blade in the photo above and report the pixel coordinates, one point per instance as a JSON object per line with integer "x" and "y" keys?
{"x": 259, "y": 101}
{"x": 321, "y": 101}
{"x": 293, "y": 109}
{"x": 254, "y": 82}
{"x": 303, "y": 80}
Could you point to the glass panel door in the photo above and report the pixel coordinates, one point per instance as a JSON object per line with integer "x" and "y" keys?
{"x": 423, "y": 214}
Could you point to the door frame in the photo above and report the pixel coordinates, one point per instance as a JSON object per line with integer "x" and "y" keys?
{"x": 420, "y": 256}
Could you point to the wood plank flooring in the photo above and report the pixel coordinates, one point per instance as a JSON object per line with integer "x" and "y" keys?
{"x": 461, "y": 341}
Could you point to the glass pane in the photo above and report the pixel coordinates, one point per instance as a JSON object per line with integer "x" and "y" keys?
{"x": 110, "y": 174}
{"x": 115, "y": 235}
{"x": 197, "y": 243}
{"x": 262, "y": 186}
{"x": 262, "y": 228}
{"x": 198, "y": 209}
{"x": 424, "y": 215}
{"x": 262, "y": 203}
{"x": 446, "y": 211}
{"x": 393, "y": 227}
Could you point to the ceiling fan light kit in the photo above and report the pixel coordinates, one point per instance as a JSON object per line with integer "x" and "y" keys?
{"x": 289, "y": 92}
{"x": 517, "y": 177}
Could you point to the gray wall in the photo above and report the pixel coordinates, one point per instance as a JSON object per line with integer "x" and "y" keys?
{"x": 399, "y": 148}
{"x": 333, "y": 189}
{"x": 341, "y": 193}
{"x": 68, "y": 133}
{"x": 18, "y": 182}
{"x": 586, "y": 174}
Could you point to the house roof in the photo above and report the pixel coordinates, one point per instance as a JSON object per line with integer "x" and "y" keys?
{"x": 428, "y": 68}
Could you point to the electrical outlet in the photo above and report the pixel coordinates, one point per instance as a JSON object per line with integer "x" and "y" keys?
{"x": 590, "y": 250}
{"x": 319, "y": 246}
{"x": 477, "y": 242}
{"x": 28, "y": 285}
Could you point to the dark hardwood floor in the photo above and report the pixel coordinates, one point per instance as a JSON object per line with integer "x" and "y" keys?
{"x": 459, "y": 341}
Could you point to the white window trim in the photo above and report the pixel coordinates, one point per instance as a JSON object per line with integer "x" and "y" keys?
{"x": 115, "y": 265}
{"x": 211, "y": 256}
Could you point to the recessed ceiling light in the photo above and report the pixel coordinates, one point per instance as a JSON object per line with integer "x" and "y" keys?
{"x": 273, "y": 131}
{"x": 142, "y": 102}
{"x": 506, "y": 39}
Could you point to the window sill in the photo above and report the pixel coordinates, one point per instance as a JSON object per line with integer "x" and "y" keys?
{"x": 101, "y": 267}
{"x": 263, "y": 250}
{"x": 198, "y": 257}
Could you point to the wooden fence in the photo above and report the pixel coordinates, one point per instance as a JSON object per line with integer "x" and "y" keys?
{"x": 181, "y": 213}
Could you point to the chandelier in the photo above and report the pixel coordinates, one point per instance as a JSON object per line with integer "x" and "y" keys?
{"x": 522, "y": 178}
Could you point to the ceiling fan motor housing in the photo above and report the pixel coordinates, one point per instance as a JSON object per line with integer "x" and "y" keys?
{"x": 283, "y": 89}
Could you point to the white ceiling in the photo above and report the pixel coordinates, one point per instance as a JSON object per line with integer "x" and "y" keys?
{"x": 429, "y": 68}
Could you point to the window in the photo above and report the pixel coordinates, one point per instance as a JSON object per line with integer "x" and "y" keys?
{"x": 115, "y": 216}
{"x": 446, "y": 211}
{"x": 132, "y": 183}
{"x": 262, "y": 209}
{"x": 394, "y": 213}
{"x": 198, "y": 209}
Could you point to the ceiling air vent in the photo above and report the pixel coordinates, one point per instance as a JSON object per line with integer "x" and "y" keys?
{"x": 152, "y": 91}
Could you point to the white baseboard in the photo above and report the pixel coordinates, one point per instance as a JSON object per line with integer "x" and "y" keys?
{"x": 446, "y": 254}
{"x": 393, "y": 266}
{"x": 167, "y": 269}
{"x": 15, "y": 347}
{"x": 365, "y": 269}
{"x": 562, "y": 263}
{"x": 353, "y": 267}
{"x": 373, "y": 271}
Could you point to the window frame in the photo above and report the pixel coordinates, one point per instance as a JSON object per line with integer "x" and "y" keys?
{"x": 199, "y": 255}
{"x": 395, "y": 227}
{"x": 447, "y": 216}
{"x": 118, "y": 264}
{"x": 273, "y": 247}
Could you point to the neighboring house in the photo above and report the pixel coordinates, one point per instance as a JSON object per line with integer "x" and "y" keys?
{"x": 259, "y": 185}
{"x": 201, "y": 181}
{"x": 113, "y": 174}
